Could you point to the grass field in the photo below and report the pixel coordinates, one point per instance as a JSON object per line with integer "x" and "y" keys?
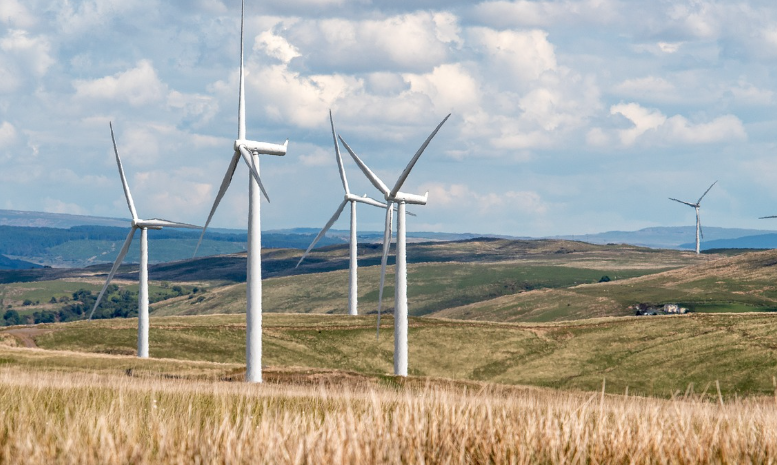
{"x": 68, "y": 418}
{"x": 746, "y": 282}
{"x": 433, "y": 287}
{"x": 650, "y": 356}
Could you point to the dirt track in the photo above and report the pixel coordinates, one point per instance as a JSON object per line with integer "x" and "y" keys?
{"x": 26, "y": 335}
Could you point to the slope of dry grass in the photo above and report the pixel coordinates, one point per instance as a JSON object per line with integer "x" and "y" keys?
{"x": 746, "y": 282}
{"x": 651, "y": 356}
{"x": 89, "y": 419}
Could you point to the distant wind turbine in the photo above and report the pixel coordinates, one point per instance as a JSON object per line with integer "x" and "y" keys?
{"x": 393, "y": 196}
{"x": 352, "y": 199}
{"x": 696, "y": 206}
{"x": 249, "y": 150}
{"x": 144, "y": 226}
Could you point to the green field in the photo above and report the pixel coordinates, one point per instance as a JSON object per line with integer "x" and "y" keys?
{"x": 651, "y": 356}
{"x": 746, "y": 282}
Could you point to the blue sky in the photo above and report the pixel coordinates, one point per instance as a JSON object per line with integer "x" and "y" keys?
{"x": 568, "y": 116}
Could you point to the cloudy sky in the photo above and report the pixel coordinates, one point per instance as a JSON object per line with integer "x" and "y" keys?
{"x": 567, "y": 116}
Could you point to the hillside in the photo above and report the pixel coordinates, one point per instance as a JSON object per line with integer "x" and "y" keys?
{"x": 742, "y": 283}
{"x": 651, "y": 356}
{"x": 442, "y": 275}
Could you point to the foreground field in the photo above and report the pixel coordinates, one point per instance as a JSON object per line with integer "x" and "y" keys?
{"x": 656, "y": 356}
{"x": 69, "y": 418}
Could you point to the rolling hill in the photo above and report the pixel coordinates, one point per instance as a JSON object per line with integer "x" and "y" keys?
{"x": 651, "y": 356}
{"x": 742, "y": 283}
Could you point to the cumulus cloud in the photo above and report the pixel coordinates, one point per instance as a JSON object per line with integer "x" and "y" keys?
{"x": 460, "y": 196}
{"x": 137, "y": 86}
{"x": 7, "y": 134}
{"x": 14, "y": 13}
{"x": 647, "y": 122}
{"x": 649, "y": 86}
{"x": 51, "y": 205}
{"x": 544, "y": 13}
{"x": 523, "y": 55}
{"x": 30, "y": 52}
{"x": 414, "y": 41}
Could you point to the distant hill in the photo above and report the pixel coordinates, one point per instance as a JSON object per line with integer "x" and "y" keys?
{"x": 11, "y": 264}
{"x": 760, "y": 241}
{"x": 669, "y": 237}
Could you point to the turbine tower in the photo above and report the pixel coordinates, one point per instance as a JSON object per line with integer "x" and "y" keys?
{"x": 696, "y": 206}
{"x": 394, "y": 196}
{"x": 144, "y": 226}
{"x": 249, "y": 150}
{"x": 352, "y": 199}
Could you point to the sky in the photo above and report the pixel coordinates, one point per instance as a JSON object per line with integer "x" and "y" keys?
{"x": 568, "y": 117}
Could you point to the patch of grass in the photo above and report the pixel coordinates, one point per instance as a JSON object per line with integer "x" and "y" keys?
{"x": 650, "y": 355}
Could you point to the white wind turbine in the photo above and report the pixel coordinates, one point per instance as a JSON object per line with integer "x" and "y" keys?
{"x": 144, "y": 226}
{"x": 696, "y": 206}
{"x": 352, "y": 199}
{"x": 249, "y": 150}
{"x": 393, "y": 196}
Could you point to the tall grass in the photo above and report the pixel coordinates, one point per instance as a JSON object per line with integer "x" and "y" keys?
{"x": 78, "y": 418}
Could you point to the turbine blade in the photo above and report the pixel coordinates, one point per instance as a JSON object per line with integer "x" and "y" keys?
{"x": 415, "y": 158}
{"x": 410, "y": 213}
{"x": 241, "y": 106}
{"x": 383, "y": 260}
{"x": 324, "y": 230}
{"x": 250, "y": 162}
{"x": 765, "y": 217}
{"x": 370, "y": 201}
{"x": 119, "y": 259}
{"x": 339, "y": 157}
{"x": 158, "y": 222}
{"x": 366, "y": 170}
{"x": 705, "y": 192}
{"x": 686, "y": 203}
{"x": 222, "y": 190}
{"x": 127, "y": 194}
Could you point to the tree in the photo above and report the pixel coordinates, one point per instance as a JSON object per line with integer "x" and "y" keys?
{"x": 12, "y": 317}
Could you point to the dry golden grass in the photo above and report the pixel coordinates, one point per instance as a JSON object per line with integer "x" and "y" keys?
{"x": 79, "y": 418}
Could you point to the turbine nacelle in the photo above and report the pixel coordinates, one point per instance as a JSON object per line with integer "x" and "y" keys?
{"x": 401, "y": 197}
{"x": 142, "y": 224}
{"x": 263, "y": 148}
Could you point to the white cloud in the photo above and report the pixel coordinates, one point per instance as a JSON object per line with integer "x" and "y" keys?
{"x": 669, "y": 47}
{"x": 461, "y": 197}
{"x": 545, "y": 13}
{"x": 523, "y": 55}
{"x": 721, "y": 129}
{"x": 13, "y": 13}
{"x": 314, "y": 156}
{"x": 137, "y": 86}
{"x": 7, "y": 134}
{"x": 675, "y": 129}
{"x": 197, "y": 108}
{"x": 746, "y": 93}
{"x": 648, "y": 86}
{"x": 448, "y": 86}
{"x": 643, "y": 120}
{"x": 276, "y": 47}
{"x": 32, "y": 52}
{"x": 414, "y": 41}
{"x": 51, "y": 205}
{"x": 169, "y": 195}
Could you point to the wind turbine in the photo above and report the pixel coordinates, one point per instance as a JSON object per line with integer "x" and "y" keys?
{"x": 393, "y": 196}
{"x": 698, "y": 221}
{"x": 352, "y": 199}
{"x": 144, "y": 226}
{"x": 249, "y": 150}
